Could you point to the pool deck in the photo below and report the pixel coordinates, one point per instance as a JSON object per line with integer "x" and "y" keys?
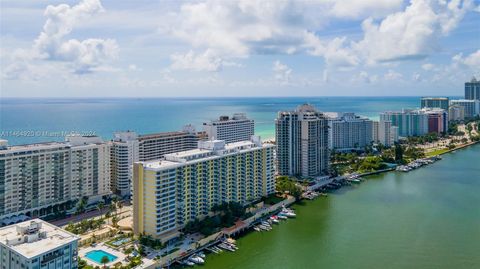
{"x": 120, "y": 256}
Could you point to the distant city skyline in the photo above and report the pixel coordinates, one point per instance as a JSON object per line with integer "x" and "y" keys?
{"x": 107, "y": 48}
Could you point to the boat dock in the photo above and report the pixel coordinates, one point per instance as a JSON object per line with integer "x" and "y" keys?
{"x": 210, "y": 242}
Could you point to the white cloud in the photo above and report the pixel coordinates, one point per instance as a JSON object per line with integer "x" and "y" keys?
{"x": 81, "y": 56}
{"x": 416, "y": 77}
{"x": 232, "y": 29}
{"x": 412, "y": 33}
{"x": 362, "y": 8}
{"x": 392, "y": 75}
{"x": 365, "y": 77}
{"x": 238, "y": 29}
{"x": 335, "y": 52}
{"x": 428, "y": 66}
{"x": 206, "y": 61}
{"x": 133, "y": 67}
{"x": 325, "y": 76}
{"x": 282, "y": 73}
{"x": 471, "y": 61}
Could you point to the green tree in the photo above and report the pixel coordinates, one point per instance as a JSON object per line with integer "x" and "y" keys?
{"x": 398, "y": 153}
{"x": 115, "y": 221}
{"x": 100, "y": 205}
{"x": 104, "y": 261}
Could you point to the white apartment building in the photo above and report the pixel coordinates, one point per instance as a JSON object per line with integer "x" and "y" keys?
{"x": 348, "y": 131}
{"x": 387, "y": 133}
{"x": 37, "y": 244}
{"x": 155, "y": 146}
{"x": 89, "y": 167}
{"x": 456, "y": 113}
{"x": 128, "y": 147}
{"x": 235, "y": 129}
{"x": 169, "y": 193}
{"x": 375, "y": 127}
{"x": 410, "y": 122}
{"x": 40, "y": 179}
{"x": 124, "y": 152}
{"x": 471, "y": 107}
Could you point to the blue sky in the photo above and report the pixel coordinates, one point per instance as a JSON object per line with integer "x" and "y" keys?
{"x": 112, "y": 48}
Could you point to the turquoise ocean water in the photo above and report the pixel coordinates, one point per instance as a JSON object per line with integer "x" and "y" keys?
{"x": 37, "y": 120}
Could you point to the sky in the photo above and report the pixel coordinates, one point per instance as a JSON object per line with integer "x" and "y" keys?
{"x": 127, "y": 48}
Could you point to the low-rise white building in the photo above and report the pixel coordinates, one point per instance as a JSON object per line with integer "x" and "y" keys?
{"x": 37, "y": 244}
{"x": 234, "y": 129}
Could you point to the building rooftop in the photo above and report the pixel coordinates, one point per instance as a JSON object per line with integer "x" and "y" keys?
{"x": 226, "y": 119}
{"x": 34, "y": 237}
{"x": 211, "y": 150}
{"x": 435, "y": 98}
{"x": 464, "y": 100}
{"x": 162, "y": 135}
{"x": 35, "y": 146}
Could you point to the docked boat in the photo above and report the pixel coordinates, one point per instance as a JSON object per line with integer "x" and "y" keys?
{"x": 226, "y": 247}
{"x": 290, "y": 214}
{"x": 213, "y": 250}
{"x": 265, "y": 228}
{"x": 219, "y": 250}
{"x": 232, "y": 245}
{"x": 274, "y": 219}
{"x": 187, "y": 263}
{"x": 201, "y": 255}
{"x": 282, "y": 216}
{"x": 196, "y": 259}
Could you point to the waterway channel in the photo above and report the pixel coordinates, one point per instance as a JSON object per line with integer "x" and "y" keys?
{"x": 426, "y": 218}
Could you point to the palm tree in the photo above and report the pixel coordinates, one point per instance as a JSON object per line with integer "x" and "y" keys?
{"x": 104, "y": 261}
{"x": 114, "y": 221}
{"x": 119, "y": 205}
{"x": 113, "y": 208}
{"x": 100, "y": 205}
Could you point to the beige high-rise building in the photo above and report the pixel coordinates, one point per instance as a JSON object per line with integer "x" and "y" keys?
{"x": 169, "y": 193}
{"x": 302, "y": 142}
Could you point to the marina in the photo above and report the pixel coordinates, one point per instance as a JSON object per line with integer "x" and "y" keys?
{"x": 382, "y": 211}
{"x": 417, "y": 164}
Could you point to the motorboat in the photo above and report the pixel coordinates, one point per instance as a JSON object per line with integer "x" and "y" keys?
{"x": 226, "y": 247}
{"x": 196, "y": 259}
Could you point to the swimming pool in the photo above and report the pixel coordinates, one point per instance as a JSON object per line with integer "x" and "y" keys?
{"x": 97, "y": 255}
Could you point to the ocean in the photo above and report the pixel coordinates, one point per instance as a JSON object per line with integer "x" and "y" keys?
{"x": 24, "y": 121}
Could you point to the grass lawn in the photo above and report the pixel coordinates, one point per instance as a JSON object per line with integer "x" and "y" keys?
{"x": 436, "y": 152}
{"x": 273, "y": 199}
